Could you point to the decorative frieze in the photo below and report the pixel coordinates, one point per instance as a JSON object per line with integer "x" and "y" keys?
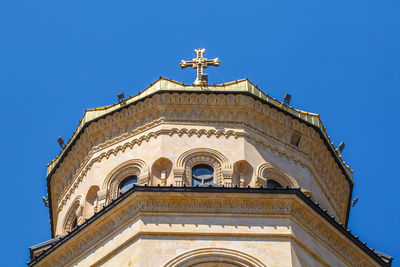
{"x": 189, "y": 203}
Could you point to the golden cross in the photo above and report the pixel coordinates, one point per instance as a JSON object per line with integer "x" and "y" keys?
{"x": 200, "y": 63}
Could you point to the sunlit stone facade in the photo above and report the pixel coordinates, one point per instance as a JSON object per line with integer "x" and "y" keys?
{"x": 270, "y": 188}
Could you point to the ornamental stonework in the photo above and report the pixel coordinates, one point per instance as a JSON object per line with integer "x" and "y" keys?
{"x": 200, "y": 175}
{"x": 144, "y": 204}
{"x": 270, "y": 129}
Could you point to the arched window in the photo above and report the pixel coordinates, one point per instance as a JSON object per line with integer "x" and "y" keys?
{"x": 202, "y": 174}
{"x": 127, "y": 184}
{"x": 267, "y": 172}
{"x": 74, "y": 215}
{"x": 74, "y": 224}
{"x": 273, "y": 184}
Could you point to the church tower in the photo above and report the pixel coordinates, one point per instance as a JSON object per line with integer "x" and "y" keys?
{"x": 200, "y": 175}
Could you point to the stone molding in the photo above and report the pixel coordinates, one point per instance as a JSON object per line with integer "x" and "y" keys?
{"x": 198, "y": 256}
{"x": 179, "y": 176}
{"x": 228, "y": 177}
{"x": 102, "y": 199}
{"x": 88, "y": 163}
{"x": 266, "y": 171}
{"x": 201, "y": 155}
{"x": 135, "y": 167}
{"x": 179, "y": 172}
{"x": 221, "y": 109}
{"x": 182, "y": 159}
{"x": 215, "y": 204}
{"x": 75, "y": 211}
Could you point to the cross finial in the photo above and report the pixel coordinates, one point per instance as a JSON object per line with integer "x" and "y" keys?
{"x": 200, "y": 63}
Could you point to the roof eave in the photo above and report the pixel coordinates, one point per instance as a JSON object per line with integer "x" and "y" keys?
{"x": 296, "y": 191}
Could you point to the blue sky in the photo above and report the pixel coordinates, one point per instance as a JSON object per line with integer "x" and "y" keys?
{"x": 340, "y": 59}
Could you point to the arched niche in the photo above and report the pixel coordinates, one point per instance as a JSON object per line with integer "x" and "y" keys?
{"x": 207, "y": 257}
{"x": 160, "y": 171}
{"x": 266, "y": 172}
{"x": 91, "y": 201}
{"x": 242, "y": 173}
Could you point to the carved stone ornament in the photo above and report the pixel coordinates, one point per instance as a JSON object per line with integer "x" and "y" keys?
{"x": 74, "y": 215}
{"x": 261, "y": 125}
{"x": 118, "y": 174}
{"x": 266, "y": 172}
{"x": 138, "y": 203}
{"x": 202, "y": 156}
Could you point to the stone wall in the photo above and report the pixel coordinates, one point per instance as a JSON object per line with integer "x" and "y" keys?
{"x": 173, "y": 228}
{"x": 180, "y": 148}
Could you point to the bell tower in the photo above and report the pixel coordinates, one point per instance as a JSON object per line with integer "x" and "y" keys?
{"x": 201, "y": 175}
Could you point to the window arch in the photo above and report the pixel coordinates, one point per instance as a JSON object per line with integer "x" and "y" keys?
{"x": 127, "y": 184}
{"x": 73, "y": 216}
{"x": 202, "y": 174}
{"x": 271, "y": 183}
{"x": 134, "y": 167}
{"x": 192, "y": 157}
{"x": 267, "y": 172}
{"x": 214, "y": 257}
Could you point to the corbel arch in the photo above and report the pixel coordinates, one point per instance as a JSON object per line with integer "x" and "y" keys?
{"x": 74, "y": 215}
{"x": 135, "y": 167}
{"x": 214, "y": 257}
{"x": 266, "y": 172}
{"x": 192, "y": 157}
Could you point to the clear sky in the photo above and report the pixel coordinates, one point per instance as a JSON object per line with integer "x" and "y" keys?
{"x": 340, "y": 59}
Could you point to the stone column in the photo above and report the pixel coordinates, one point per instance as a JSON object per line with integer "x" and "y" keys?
{"x": 163, "y": 177}
{"x": 241, "y": 179}
{"x": 178, "y": 176}
{"x": 143, "y": 179}
{"x": 228, "y": 177}
{"x": 101, "y": 200}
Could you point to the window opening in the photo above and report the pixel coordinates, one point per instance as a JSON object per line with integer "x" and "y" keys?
{"x": 295, "y": 139}
{"x": 75, "y": 223}
{"x": 127, "y": 184}
{"x": 273, "y": 184}
{"x": 202, "y": 174}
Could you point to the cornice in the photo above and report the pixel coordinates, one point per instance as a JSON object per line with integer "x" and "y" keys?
{"x": 180, "y": 200}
